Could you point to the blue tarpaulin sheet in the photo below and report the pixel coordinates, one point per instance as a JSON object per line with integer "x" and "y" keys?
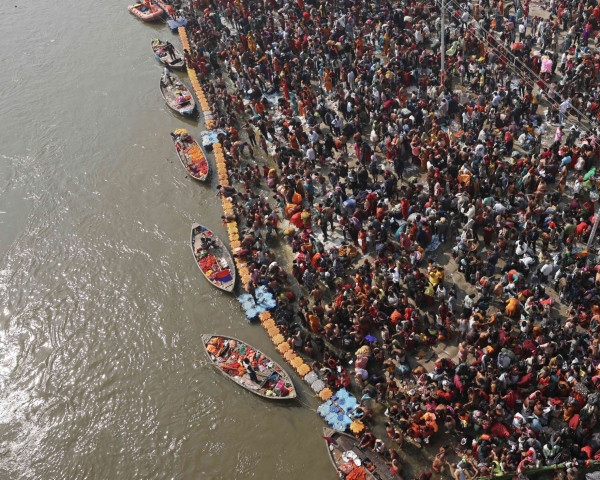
{"x": 175, "y": 24}
{"x": 264, "y": 301}
{"x": 337, "y": 411}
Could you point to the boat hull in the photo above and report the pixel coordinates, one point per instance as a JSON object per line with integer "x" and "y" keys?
{"x": 192, "y": 156}
{"x": 155, "y": 13}
{"x": 214, "y": 262}
{"x": 271, "y": 377}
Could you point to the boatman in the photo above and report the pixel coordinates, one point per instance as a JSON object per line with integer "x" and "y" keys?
{"x": 170, "y": 50}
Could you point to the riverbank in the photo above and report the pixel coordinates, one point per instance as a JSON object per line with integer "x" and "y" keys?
{"x": 413, "y": 343}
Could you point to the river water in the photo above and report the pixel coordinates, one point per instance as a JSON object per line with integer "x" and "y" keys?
{"x": 101, "y": 304}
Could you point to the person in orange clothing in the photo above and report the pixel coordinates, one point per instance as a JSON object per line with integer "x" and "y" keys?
{"x": 294, "y": 142}
{"x": 327, "y": 80}
{"x": 301, "y": 109}
{"x": 314, "y": 323}
{"x": 360, "y": 46}
{"x": 404, "y": 207}
{"x": 512, "y": 307}
{"x": 286, "y": 89}
{"x": 259, "y": 108}
{"x": 362, "y": 240}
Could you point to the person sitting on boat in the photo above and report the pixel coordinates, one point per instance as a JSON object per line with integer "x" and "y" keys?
{"x": 206, "y": 243}
{"x": 250, "y": 370}
{"x": 369, "y": 465}
{"x": 194, "y": 169}
{"x": 180, "y": 140}
{"x": 166, "y": 76}
{"x": 367, "y": 440}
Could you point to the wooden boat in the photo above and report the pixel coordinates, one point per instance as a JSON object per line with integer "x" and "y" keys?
{"x": 228, "y": 353}
{"x": 147, "y": 13}
{"x": 347, "y": 457}
{"x": 191, "y": 155}
{"x": 213, "y": 258}
{"x": 162, "y": 55}
{"x": 177, "y": 95}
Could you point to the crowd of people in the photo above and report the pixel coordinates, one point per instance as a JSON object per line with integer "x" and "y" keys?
{"x": 383, "y": 172}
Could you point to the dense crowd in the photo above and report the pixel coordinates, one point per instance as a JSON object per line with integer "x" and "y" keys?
{"x": 378, "y": 164}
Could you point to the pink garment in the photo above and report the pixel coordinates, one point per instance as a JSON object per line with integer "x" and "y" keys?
{"x": 546, "y": 65}
{"x": 361, "y": 361}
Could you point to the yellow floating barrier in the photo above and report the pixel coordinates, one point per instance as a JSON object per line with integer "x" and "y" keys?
{"x": 325, "y": 394}
{"x": 289, "y": 356}
{"x": 357, "y": 427}
{"x": 296, "y": 362}
{"x": 268, "y": 324}
{"x": 244, "y": 271}
{"x": 298, "y": 368}
{"x": 278, "y": 339}
{"x": 303, "y": 370}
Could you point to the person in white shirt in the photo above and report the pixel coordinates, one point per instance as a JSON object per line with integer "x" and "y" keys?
{"x": 392, "y": 299}
{"x": 479, "y": 150}
{"x": 350, "y": 77}
{"x": 418, "y": 37}
{"x": 563, "y": 109}
{"x": 522, "y": 29}
{"x": 471, "y": 212}
{"x": 496, "y": 100}
{"x": 466, "y": 119}
{"x": 395, "y": 279}
{"x": 527, "y": 261}
{"x": 441, "y": 292}
{"x": 499, "y": 209}
{"x": 465, "y": 18}
{"x": 546, "y": 270}
{"x": 521, "y": 248}
{"x": 482, "y": 137}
